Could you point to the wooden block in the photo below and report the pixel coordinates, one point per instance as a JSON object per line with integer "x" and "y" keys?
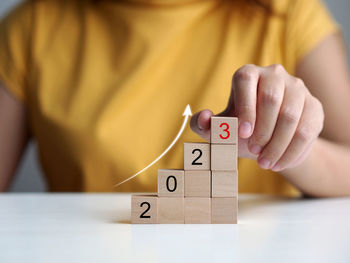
{"x": 224, "y": 130}
{"x": 171, "y": 210}
{"x": 224, "y": 184}
{"x": 197, "y": 210}
{"x": 197, "y": 183}
{"x": 171, "y": 183}
{"x": 144, "y": 209}
{"x": 224, "y": 210}
{"x": 223, "y": 157}
{"x": 196, "y": 156}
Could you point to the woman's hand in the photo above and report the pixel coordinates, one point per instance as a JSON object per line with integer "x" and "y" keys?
{"x": 279, "y": 119}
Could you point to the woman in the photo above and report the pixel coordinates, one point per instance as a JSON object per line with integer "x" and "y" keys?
{"x": 101, "y": 86}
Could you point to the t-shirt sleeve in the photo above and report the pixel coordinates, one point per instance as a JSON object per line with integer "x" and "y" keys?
{"x": 15, "y": 51}
{"x": 308, "y": 22}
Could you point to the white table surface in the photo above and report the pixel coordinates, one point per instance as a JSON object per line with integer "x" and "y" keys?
{"x": 96, "y": 228}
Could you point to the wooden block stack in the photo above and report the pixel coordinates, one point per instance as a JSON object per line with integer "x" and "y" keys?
{"x": 205, "y": 192}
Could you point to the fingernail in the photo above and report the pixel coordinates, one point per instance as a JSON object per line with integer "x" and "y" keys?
{"x": 199, "y": 126}
{"x": 245, "y": 129}
{"x": 276, "y": 168}
{"x": 264, "y": 163}
{"x": 198, "y": 123}
{"x": 256, "y": 149}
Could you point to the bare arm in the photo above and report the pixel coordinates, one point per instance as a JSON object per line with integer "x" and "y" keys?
{"x": 13, "y": 135}
{"x": 326, "y": 172}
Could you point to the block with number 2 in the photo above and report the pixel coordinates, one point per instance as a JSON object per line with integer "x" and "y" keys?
{"x": 144, "y": 209}
{"x": 196, "y": 156}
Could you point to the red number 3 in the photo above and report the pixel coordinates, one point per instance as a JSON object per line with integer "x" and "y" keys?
{"x": 225, "y": 130}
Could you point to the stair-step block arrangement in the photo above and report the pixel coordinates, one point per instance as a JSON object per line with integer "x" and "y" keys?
{"x": 205, "y": 192}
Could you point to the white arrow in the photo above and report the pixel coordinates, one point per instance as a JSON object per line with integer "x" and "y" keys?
{"x": 186, "y": 113}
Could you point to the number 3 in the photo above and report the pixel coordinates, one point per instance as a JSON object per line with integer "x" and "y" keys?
{"x": 225, "y": 130}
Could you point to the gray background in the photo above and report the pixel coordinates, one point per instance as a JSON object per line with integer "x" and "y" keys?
{"x": 29, "y": 176}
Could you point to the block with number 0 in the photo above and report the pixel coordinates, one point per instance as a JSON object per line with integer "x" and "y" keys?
{"x": 223, "y": 130}
{"x": 171, "y": 183}
{"x": 196, "y": 156}
{"x": 144, "y": 209}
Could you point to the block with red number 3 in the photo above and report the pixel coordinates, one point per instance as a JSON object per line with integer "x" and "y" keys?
{"x": 223, "y": 130}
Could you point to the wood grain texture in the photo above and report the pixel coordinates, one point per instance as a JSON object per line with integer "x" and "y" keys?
{"x": 139, "y": 204}
{"x": 224, "y": 184}
{"x": 191, "y": 153}
{"x": 197, "y": 210}
{"x": 223, "y": 157}
{"x": 224, "y": 210}
{"x": 197, "y": 183}
{"x": 171, "y": 210}
{"x": 171, "y": 183}
{"x": 224, "y": 130}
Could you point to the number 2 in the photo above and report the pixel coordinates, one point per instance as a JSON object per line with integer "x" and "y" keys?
{"x": 199, "y": 156}
{"x": 147, "y": 209}
{"x": 225, "y": 130}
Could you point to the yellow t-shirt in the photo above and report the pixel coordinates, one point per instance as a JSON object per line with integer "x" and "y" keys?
{"x": 106, "y": 82}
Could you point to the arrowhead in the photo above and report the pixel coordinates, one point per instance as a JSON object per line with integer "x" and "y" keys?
{"x": 187, "y": 111}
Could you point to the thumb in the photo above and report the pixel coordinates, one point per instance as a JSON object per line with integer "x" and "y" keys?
{"x": 200, "y": 123}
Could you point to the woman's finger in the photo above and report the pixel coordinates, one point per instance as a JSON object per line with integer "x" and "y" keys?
{"x": 309, "y": 127}
{"x": 287, "y": 123}
{"x": 242, "y": 102}
{"x": 270, "y": 96}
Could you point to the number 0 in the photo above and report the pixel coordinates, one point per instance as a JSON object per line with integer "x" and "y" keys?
{"x": 167, "y": 183}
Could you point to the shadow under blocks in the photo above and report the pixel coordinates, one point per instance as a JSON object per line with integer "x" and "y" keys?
{"x": 205, "y": 192}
